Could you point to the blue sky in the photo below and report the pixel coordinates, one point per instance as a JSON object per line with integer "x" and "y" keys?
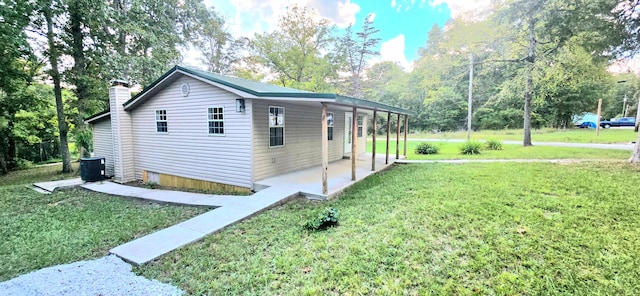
{"x": 403, "y": 24}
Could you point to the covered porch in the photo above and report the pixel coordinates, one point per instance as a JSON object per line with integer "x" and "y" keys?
{"x": 310, "y": 183}
{"x": 328, "y": 179}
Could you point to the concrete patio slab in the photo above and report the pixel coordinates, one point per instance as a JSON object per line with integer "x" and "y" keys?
{"x": 61, "y": 184}
{"x": 309, "y": 181}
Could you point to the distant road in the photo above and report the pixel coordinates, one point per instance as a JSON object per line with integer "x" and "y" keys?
{"x": 556, "y": 144}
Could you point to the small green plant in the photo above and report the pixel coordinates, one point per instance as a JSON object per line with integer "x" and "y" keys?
{"x": 322, "y": 220}
{"x": 84, "y": 141}
{"x": 426, "y": 148}
{"x": 470, "y": 147}
{"x": 493, "y": 144}
{"x": 23, "y": 164}
{"x": 151, "y": 185}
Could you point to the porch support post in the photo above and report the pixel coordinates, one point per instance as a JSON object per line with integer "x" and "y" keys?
{"x": 386, "y": 160}
{"x": 354, "y": 140}
{"x": 373, "y": 145}
{"x": 325, "y": 150}
{"x": 406, "y": 128}
{"x": 398, "y": 138}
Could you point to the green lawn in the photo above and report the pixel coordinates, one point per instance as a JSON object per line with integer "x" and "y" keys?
{"x": 40, "y": 230}
{"x": 450, "y": 150}
{"x": 472, "y": 229}
{"x": 39, "y": 174}
{"x": 607, "y": 136}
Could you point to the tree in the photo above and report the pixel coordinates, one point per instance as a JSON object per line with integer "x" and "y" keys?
{"x": 299, "y": 54}
{"x": 547, "y": 25}
{"x": 141, "y": 38}
{"x": 358, "y": 50}
{"x": 81, "y": 42}
{"x": 216, "y": 44}
{"x": 48, "y": 7}
{"x": 16, "y": 62}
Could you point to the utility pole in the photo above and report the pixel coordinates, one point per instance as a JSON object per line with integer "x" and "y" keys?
{"x": 624, "y": 106}
{"x": 598, "y": 118}
{"x": 470, "y": 97}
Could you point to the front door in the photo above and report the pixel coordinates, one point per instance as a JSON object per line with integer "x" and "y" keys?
{"x": 348, "y": 127}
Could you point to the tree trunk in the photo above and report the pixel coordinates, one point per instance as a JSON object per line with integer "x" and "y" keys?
{"x": 528, "y": 94}
{"x": 635, "y": 157}
{"x": 3, "y": 164}
{"x": 63, "y": 129}
{"x": 79, "y": 66}
{"x": 11, "y": 147}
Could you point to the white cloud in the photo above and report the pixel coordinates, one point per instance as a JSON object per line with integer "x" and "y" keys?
{"x": 371, "y": 16}
{"x": 258, "y": 16}
{"x": 626, "y": 65}
{"x": 393, "y": 3}
{"x": 393, "y": 50}
{"x": 466, "y": 9}
{"x": 342, "y": 13}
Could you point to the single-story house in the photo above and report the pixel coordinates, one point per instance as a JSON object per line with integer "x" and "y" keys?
{"x": 192, "y": 128}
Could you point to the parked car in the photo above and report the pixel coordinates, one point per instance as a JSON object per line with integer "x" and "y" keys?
{"x": 585, "y": 120}
{"x": 622, "y": 121}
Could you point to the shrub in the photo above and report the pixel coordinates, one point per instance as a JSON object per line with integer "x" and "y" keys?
{"x": 23, "y": 164}
{"x": 151, "y": 185}
{"x": 322, "y": 220}
{"x": 426, "y": 148}
{"x": 493, "y": 144}
{"x": 471, "y": 147}
{"x": 84, "y": 141}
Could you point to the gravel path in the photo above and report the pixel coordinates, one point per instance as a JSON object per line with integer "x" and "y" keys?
{"x": 103, "y": 276}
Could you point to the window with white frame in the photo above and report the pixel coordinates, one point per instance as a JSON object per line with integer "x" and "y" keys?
{"x": 161, "y": 121}
{"x": 329, "y": 126}
{"x": 276, "y": 126}
{"x": 216, "y": 120}
{"x": 360, "y": 119}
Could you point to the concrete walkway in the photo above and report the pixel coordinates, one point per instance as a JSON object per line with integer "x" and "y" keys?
{"x": 231, "y": 209}
{"x": 48, "y": 187}
{"x": 405, "y": 161}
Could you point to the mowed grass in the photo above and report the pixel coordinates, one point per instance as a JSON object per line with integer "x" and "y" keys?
{"x": 39, "y": 230}
{"x": 39, "y": 174}
{"x": 451, "y": 150}
{"x": 573, "y": 135}
{"x": 445, "y": 229}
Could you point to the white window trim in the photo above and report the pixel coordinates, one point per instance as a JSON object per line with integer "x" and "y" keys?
{"x": 331, "y": 126}
{"x": 359, "y": 125}
{"x": 224, "y": 127}
{"x": 284, "y": 135}
{"x": 166, "y": 115}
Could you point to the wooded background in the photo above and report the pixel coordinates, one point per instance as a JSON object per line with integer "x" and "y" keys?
{"x": 537, "y": 63}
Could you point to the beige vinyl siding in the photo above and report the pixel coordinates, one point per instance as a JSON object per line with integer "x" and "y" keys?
{"x": 187, "y": 149}
{"x": 302, "y": 138}
{"x": 103, "y": 144}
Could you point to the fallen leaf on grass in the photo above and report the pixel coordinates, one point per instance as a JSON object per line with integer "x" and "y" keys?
{"x": 306, "y": 270}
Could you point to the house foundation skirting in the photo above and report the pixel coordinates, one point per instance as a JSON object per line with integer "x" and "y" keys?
{"x": 189, "y": 183}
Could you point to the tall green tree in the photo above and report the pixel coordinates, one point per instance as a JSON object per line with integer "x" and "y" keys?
{"x": 220, "y": 50}
{"x": 546, "y": 25}
{"x": 14, "y": 51}
{"x": 358, "y": 51}
{"x": 48, "y": 18}
{"x": 301, "y": 53}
